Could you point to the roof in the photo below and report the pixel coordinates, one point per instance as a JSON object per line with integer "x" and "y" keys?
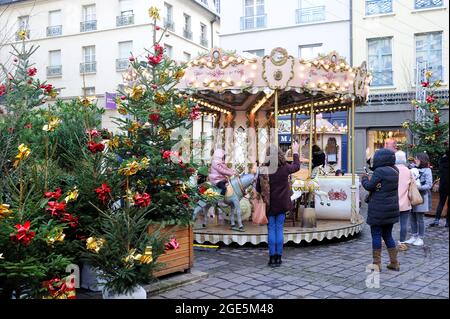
{"x": 3, "y": 2}
{"x": 206, "y": 7}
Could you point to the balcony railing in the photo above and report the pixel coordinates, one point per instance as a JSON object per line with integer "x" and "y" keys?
{"x": 312, "y": 14}
{"x": 121, "y": 64}
{"x": 54, "y": 70}
{"x": 253, "y": 22}
{"x": 169, "y": 24}
{"x": 187, "y": 34}
{"x": 382, "y": 78}
{"x": 125, "y": 20}
{"x": 88, "y": 25}
{"x": 425, "y": 4}
{"x": 378, "y": 7}
{"x": 27, "y": 35}
{"x": 204, "y": 41}
{"x": 401, "y": 97}
{"x": 54, "y": 30}
{"x": 88, "y": 67}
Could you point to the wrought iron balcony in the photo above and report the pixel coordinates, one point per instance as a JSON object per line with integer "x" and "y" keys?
{"x": 88, "y": 25}
{"x": 253, "y": 22}
{"x": 312, "y": 14}
{"x": 187, "y": 34}
{"x": 54, "y": 70}
{"x": 400, "y": 97}
{"x": 125, "y": 20}
{"x": 54, "y": 30}
{"x": 27, "y": 34}
{"x": 121, "y": 64}
{"x": 378, "y": 7}
{"x": 88, "y": 67}
{"x": 169, "y": 24}
{"x": 204, "y": 41}
{"x": 426, "y": 4}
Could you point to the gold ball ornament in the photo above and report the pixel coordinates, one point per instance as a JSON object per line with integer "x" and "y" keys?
{"x": 161, "y": 98}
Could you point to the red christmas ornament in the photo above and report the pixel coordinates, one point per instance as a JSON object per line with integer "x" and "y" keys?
{"x": 437, "y": 120}
{"x": 425, "y": 84}
{"x": 103, "y": 193}
{"x": 166, "y": 154}
{"x": 93, "y": 133}
{"x": 202, "y": 189}
{"x": 70, "y": 219}
{"x": 55, "y": 194}
{"x": 154, "y": 87}
{"x": 2, "y": 89}
{"x": 157, "y": 28}
{"x": 123, "y": 97}
{"x": 56, "y": 209}
{"x": 23, "y": 235}
{"x": 131, "y": 58}
{"x": 142, "y": 200}
{"x": 32, "y": 71}
{"x": 195, "y": 114}
{"x": 154, "y": 118}
{"x": 95, "y": 147}
{"x": 159, "y": 50}
{"x": 430, "y": 98}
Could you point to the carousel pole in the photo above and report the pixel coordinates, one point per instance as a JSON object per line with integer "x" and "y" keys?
{"x": 202, "y": 130}
{"x": 292, "y": 132}
{"x": 311, "y": 131}
{"x": 354, "y": 217}
{"x": 348, "y": 140}
{"x": 276, "y": 118}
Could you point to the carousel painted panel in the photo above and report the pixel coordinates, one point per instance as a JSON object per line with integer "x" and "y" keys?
{"x": 339, "y": 191}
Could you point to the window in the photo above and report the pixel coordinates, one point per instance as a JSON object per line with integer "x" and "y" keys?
{"x": 310, "y": 11}
{"x": 186, "y": 57}
{"x": 54, "y": 65}
{"x": 376, "y": 138}
{"x": 54, "y": 23}
{"x": 89, "y": 64}
{"x": 89, "y": 91}
{"x": 203, "y": 35}
{"x": 259, "y": 52}
{"x": 125, "y": 49}
{"x": 380, "y": 61}
{"x": 23, "y": 26}
{"x": 429, "y": 50}
{"x": 168, "y": 16}
{"x": 254, "y": 15}
{"x": 425, "y": 4}
{"x": 168, "y": 50}
{"x": 217, "y": 5}
{"x": 187, "y": 27}
{"x": 378, "y": 7}
{"x": 89, "y": 22}
{"x": 309, "y": 52}
{"x": 126, "y": 16}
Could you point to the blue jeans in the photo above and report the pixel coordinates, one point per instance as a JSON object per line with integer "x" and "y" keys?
{"x": 385, "y": 232}
{"x": 404, "y": 224}
{"x": 275, "y": 234}
{"x": 417, "y": 223}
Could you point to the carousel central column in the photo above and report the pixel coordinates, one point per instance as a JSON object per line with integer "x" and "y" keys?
{"x": 354, "y": 215}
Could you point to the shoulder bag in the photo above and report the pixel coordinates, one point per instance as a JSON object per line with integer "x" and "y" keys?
{"x": 413, "y": 192}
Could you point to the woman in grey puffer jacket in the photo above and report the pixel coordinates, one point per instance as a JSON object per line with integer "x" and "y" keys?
{"x": 424, "y": 182}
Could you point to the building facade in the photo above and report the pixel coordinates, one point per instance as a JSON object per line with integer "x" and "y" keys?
{"x": 84, "y": 45}
{"x": 398, "y": 39}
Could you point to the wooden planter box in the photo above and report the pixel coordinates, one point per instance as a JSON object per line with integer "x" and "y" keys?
{"x": 435, "y": 202}
{"x": 176, "y": 260}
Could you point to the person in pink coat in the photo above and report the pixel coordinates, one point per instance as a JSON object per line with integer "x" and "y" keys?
{"x": 219, "y": 172}
{"x": 404, "y": 179}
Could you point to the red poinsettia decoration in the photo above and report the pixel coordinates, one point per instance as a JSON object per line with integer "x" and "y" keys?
{"x": 56, "y": 209}
{"x": 154, "y": 118}
{"x": 23, "y": 235}
{"x": 32, "y": 71}
{"x": 48, "y": 88}
{"x": 142, "y": 200}
{"x": 184, "y": 198}
{"x": 430, "y": 98}
{"x": 425, "y": 84}
{"x": 154, "y": 60}
{"x": 437, "y": 119}
{"x": 103, "y": 193}
{"x": 95, "y": 147}
{"x": 172, "y": 244}
{"x": 70, "y": 219}
{"x": 159, "y": 50}
{"x": 56, "y": 194}
{"x": 195, "y": 114}
{"x": 93, "y": 133}
{"x": 2, "y": 89}
{"x": 166, "y": 154}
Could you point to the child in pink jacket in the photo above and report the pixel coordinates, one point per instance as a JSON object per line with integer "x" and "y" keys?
{"x": 219, "y": 171}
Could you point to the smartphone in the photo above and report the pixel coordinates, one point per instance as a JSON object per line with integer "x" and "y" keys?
{"x": 366, "y": 170}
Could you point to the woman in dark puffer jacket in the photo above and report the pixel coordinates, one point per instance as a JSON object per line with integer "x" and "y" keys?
{"x": 383, "y": 211}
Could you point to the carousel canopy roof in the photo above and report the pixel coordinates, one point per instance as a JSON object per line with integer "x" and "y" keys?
{"x": 224, "y": 81}
{"x": 323, "y": 126}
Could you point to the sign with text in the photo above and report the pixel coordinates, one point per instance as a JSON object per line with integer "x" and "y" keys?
{"x": 110, "y": 101}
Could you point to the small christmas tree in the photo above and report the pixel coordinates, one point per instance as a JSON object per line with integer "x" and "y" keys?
{"x": 429, "y": 131}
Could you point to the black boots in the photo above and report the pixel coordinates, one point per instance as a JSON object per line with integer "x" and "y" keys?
{"x": 275, "y": 261}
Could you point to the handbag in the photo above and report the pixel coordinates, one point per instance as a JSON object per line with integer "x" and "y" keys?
{"x": 413, "y": 193}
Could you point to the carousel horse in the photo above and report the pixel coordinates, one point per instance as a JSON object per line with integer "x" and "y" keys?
{"x": 234, "y": 193}
{"x": 311, "y": 186}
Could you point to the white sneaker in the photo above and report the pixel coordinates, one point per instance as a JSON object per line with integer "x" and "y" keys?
{"x": 418, "y": 242}
{"x": 412, "y": 240}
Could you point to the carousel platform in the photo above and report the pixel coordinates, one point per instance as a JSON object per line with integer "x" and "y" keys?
{"x": 256, "y": 234}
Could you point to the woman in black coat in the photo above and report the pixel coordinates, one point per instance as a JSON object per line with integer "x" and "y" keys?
{"x": 443, "y": 189}
{"x": 383, "y": 211}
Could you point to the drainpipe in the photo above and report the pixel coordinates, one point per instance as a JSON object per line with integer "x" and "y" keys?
{"x": 351, "y": 32}
{"x": 212, "y": 30}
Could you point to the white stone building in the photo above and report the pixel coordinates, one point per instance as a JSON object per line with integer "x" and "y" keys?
{"x": 84, "y": 45}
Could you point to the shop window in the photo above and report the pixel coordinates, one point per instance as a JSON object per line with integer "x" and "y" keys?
{"x": 376, "y": 138}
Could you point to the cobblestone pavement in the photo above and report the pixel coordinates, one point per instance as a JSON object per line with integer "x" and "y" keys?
{"x": 332, "y": 269}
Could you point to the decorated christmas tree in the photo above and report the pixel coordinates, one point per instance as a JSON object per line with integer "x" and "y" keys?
{"x": 429, "y": 131}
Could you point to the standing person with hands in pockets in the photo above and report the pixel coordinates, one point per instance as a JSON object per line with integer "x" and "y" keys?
{"x": 383, "y": 206}
{"x": 276, "y": 192}
{"x": 424, "y": 182}
{"x": 404, "y": 202}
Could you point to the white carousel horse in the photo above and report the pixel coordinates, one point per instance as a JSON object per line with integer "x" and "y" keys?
{"x": 311, "y": 186}
{"x": 233, "y": 195}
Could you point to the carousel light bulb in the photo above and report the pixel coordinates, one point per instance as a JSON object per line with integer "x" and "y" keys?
{"x": 301, "y": 75}
{"x": 209, "y": 64}
{"x": 202, "y": 60}
{"x": 324, "y": 87}
{"x": 252, "y": 75}
{"x": 302, "y": 68}
{"x": 243, "y": 79}
{"x": 254, "y": 66}
{"x": 308, "y": 64}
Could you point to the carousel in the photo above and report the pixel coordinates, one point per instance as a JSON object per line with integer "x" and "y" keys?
{"x": 242, "y": 97}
